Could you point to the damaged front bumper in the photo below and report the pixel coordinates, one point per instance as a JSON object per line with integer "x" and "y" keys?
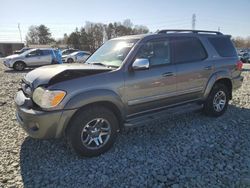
{"x": 38, "y": 123}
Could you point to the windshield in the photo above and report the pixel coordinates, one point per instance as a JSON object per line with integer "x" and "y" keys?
{"x": 112, "y": 53}
{"x": 27, "y": 51}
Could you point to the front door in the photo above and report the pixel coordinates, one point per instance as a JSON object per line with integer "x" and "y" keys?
{"x": 34, "y": 58}
{"x": 153, "y": 87}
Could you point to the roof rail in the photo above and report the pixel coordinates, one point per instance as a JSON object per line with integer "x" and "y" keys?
{"x": 187, "y": 30}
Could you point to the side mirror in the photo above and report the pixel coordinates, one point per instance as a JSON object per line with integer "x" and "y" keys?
{"x": 140, "y": 64}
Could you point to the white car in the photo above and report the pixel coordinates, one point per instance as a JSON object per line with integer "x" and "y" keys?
{"x": 79, "y": 57}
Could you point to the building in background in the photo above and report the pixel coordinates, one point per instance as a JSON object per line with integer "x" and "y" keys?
{"x": 7, "y": 48}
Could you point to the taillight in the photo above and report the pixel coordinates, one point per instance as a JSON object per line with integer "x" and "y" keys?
{"x": 239, "y": 65}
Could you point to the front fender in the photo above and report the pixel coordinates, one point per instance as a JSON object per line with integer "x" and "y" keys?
{"x": 13, "y": 61}
{"x": 94, "y": 96}
{"x": 214, "y": 78}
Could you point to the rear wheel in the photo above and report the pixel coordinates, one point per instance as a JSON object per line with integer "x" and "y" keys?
{"x": 217, "y": 101}
{"x": 19, "y": 66}
{"x": 92, "y": 131}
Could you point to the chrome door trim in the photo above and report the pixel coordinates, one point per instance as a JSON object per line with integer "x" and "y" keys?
{"x": 162, "y": 96}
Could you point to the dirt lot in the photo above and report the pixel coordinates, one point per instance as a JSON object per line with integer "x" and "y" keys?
{"x": 189, "y": 150}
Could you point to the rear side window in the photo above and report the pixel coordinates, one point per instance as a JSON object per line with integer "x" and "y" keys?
{"x": 223, "y": 46}
{"x": 46, "y": 52}
{"x": 188, "y": 49}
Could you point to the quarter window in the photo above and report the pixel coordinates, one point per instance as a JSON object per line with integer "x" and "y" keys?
{"x": 223, "y": 46}
{"x": 188, "y": 49}
{"x": 46, "y": 52}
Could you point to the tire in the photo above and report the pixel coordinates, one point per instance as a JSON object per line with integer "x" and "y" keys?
{"x": 70, "y": 60}
{"x": 81, "y": 130}
{"x": 218, "y": 94}
{"x": 19, "y": 66}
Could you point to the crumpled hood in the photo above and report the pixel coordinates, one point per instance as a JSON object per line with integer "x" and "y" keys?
{"x": 49, "y": 75}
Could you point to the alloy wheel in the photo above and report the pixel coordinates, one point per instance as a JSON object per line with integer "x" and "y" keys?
{"x": 96, "y": 133}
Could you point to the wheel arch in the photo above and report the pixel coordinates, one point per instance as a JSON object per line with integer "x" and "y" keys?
{"x": 19, "y": 61}
{"x": 220, "y": 77}
{"x": 103, "y": 98}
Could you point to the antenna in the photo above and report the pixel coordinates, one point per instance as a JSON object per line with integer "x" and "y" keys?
{"x": 20, "y": 32}
{"x": 193, "y": 21}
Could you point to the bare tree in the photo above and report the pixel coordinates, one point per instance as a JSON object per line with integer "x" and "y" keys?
{"x": 39, "y": 35}
{"x": 32, "y": 35}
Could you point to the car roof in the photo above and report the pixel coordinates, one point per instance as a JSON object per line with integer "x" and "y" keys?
{"x": 174, "y": 32}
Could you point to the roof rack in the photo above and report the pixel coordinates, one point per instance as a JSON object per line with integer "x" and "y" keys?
{"x": 187, "y": 30}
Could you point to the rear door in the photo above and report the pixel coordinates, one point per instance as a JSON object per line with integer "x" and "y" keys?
{"x": 151, "y": 88}
{"x": 46, "y": 57}
{"x": 192, "y": 66}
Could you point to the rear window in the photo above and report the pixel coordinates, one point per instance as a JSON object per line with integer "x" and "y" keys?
{"x": 188, "y": 49}
{"x": 223, "y": 46}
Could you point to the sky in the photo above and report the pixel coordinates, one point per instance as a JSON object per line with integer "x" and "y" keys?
{"x": 63, "y": 16}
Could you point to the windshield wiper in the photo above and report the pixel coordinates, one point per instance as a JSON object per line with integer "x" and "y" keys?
{"x": 104, "y": 65}
{"x": 97, "y": 63}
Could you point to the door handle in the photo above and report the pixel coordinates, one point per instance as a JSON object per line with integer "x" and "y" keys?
{"x": 166, "y": 74}
{"x": 208, "y": 68}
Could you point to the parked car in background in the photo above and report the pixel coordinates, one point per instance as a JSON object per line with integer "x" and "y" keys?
{"x": 22, "y": 50}
{"x": 69, "y": 51}
{"x": 244, "y": 57}
{"x": 79, "y": 57}
{"x": 30, "y": 58}
{"x": 129, "y": 81}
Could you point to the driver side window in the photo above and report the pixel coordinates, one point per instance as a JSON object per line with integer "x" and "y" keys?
{"x": 156, "y": 51}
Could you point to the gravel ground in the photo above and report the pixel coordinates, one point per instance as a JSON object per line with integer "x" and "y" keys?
{"x": 189, "y": 150}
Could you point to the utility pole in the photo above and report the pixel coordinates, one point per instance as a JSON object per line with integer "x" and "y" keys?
{"x": 219, "y": 29}
{"x": 193, "y": 21}
{"x": 20, "y": 32}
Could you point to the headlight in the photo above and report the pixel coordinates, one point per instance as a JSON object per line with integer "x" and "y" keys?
{"x": 46, "y": 98}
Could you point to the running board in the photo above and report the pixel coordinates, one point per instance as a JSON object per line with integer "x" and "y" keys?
{"x": 143, "y": 119}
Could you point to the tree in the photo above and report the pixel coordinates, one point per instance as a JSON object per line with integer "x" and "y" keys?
{"x": 92, "y": 35}
{"x": 73, "y": 39}
{"x": 95, "y": 33}
{"x": 140, "y": 29}
{"x": 127, "y": 23}
{"x": 44, "y": 35}
{"x": 32, "y": 35}
{"x": 85, "y": 40}
{"x": 109, "y": 30}
{"x": 39, "y": 35}
{"x": 247, "y": 43}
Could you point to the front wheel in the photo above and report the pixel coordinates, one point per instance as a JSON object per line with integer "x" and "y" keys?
{"x": 70, "y": 60}
{"x": 217, "y": 101}
{"x": 92, "y": 131}
{"x": 19, "y": 66}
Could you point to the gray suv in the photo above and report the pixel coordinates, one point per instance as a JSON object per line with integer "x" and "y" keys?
{"x": 126, "y": 82}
